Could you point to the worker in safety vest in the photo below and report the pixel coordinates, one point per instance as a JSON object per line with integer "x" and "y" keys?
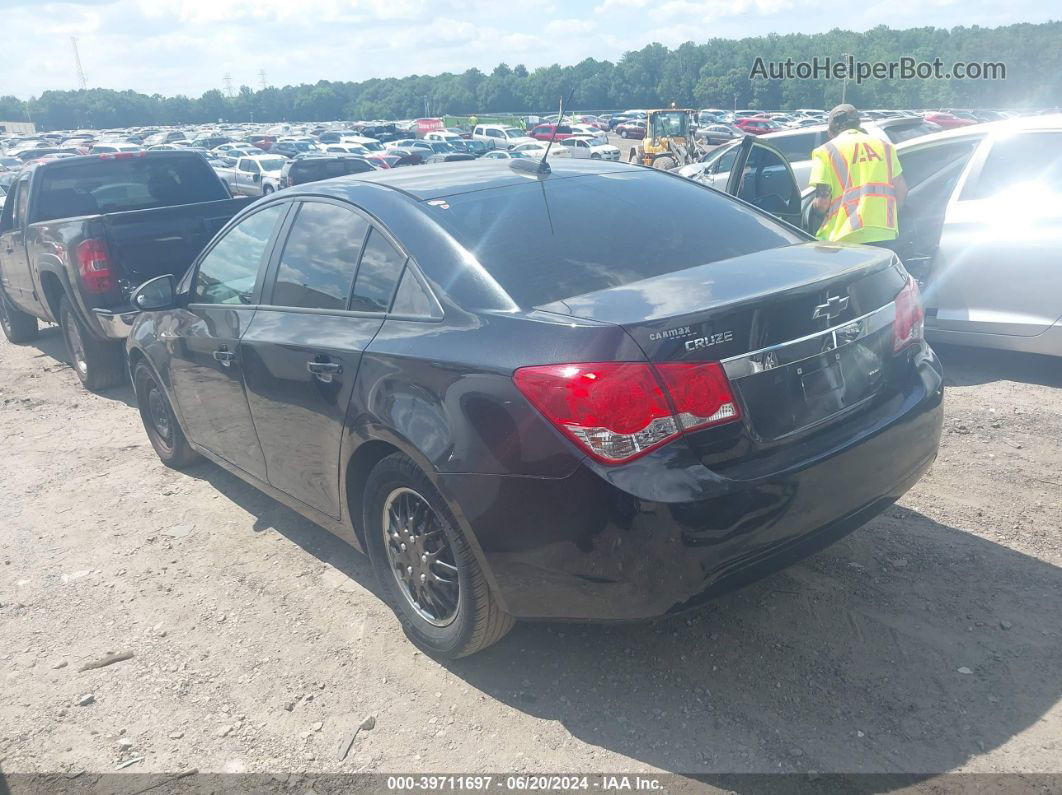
{"x": 858, "y": 184}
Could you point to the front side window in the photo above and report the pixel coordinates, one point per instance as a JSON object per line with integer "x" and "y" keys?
{"x": 920, "y": 164}
{"x": 320, "y": 256}
{"x": 766, "y": 182}
{"x": 227, "y": 274}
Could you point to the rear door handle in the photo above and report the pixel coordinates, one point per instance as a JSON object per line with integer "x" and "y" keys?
{"x": 225, "y": 357}
{"x": 324, "y": 371}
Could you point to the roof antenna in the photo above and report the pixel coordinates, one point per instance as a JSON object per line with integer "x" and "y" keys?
{"x": 542, "y": 167}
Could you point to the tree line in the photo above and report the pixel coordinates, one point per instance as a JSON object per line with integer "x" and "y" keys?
{"x": 715, "y": 73}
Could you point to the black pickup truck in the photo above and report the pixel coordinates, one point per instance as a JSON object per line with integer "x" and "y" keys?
{"x": 78, "y": 235}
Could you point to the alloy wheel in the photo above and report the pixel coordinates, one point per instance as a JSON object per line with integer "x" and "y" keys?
{"x": 77, "y": 347}
{"x": 420, "y": 557}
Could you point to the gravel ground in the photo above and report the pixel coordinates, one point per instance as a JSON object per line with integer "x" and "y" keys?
{"x": 927, "y": 641}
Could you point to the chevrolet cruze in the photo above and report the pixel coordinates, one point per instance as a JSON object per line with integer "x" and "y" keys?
{"x": 592, "y": 391}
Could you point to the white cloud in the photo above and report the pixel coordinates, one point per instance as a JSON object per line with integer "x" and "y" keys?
{"x": 570, "y": 26}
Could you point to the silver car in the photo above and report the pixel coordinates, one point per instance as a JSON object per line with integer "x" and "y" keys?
{"x": 982, "y": 231}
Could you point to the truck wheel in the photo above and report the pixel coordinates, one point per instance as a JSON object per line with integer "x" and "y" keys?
{"x": 17, "y": 325}
{"x": 163, "y": 430}
{"x": 99, "y": 365}
{"x": 664, "y": 162}
{"x": 429, "y": 575}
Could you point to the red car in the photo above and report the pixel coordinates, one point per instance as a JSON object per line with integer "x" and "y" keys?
{"x": 631, "y": 129}
{"x": 756, "y": 125}
{"x": 544, "y": 132}
{"x": 947, "y": 120}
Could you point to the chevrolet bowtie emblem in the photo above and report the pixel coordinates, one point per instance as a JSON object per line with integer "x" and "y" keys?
{"x": 834, "y": 306}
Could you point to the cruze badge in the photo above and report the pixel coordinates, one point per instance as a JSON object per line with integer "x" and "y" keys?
{"x": 834, "y": 306}
{"x": 710, "y": 340}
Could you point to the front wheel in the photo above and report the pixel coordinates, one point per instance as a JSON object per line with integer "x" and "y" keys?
{"x": 17, "y": 325}
{"x": 98, "y": 364}
{"x": 664, "y": 162}
{"x": 267, "y": 190}
{"x": 430, "y": 576}
{"x": 163, "y": 430}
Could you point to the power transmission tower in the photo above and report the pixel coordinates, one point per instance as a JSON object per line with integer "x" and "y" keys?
{"x": 228, "y": 85}
{"x": 262, "y": 79}
{"x": 81, "y": 81}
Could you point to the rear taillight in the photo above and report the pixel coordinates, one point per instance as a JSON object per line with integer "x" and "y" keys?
{"x": 909, "y": 326}
{"x": 618, "y": 411}
{"x": 94, "y": 265}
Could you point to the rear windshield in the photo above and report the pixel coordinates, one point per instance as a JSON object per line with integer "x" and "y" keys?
{"x": 106, "y": 186}
{"x": 314, "y": 170}
{"x": 898, "y": 133}
{"x": 558, "y": 238}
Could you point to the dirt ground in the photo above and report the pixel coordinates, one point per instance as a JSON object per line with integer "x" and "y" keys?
{"x": 928, "y": 641}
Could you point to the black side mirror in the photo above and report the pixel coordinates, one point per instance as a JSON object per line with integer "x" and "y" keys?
{"x": 155, "y": 294}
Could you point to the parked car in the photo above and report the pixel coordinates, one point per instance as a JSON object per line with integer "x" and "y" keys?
{"x": 546, "y": 132}
{"x": 477, "y": 148}
{"x": 104, "y": 148}
{"x": 948, "y": 121}
{"x": 631, "y": 129}
{"x": 499, "y": 136}
{"x": 257, "y": 175}
{"x": 505, "y": 154}
{"x": 715, "y": 134}
{"x": 523, "y": 406}
{"x": 80, "y": 234}
{"x": 292, "y": 148}
{"x": 450, "y": 157}
{"x": 982, "y": 229}
{"x": 313, "y": 168}
{"x": 756, "y": 125}
{"x": 582, "y": 146}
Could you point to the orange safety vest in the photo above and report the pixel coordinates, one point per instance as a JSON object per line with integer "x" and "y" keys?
{"x": 859, "y": 170}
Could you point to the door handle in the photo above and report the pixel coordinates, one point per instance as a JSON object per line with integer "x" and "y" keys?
{"x": 225, "y": 357}
{"x": 324, "y": 368}
{"x": 324, "y": 371}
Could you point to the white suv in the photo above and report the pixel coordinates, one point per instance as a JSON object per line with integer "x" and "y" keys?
{"x": 497, "y": 136}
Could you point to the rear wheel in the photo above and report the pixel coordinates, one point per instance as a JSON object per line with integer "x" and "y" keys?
{"x": 17, "y": 325}
{"x": 430, "y": 577}
{"x": 98, "y": 364}
{"x": 163, "y": 430}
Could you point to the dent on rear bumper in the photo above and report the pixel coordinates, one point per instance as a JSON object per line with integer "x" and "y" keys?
{"x": 591, "y": 547}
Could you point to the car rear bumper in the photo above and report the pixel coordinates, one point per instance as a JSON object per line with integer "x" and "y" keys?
{"x": 583, "y": 547}
{"x": 115, "y": 324}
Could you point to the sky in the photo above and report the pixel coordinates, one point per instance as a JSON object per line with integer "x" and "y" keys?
{"x": 188, "y": 46}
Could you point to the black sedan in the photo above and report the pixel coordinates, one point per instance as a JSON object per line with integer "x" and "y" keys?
{"x": 600, "y": 392}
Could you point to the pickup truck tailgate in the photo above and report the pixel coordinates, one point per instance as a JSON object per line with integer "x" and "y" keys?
{"x": 150, "y": 243}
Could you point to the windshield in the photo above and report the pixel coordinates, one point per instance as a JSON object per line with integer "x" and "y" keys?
{"x": 442, "y": 146}
{"x": 548, "y": 241}
{"x": 272, "y": 163}
{"x": 670, "y": 123}
{"x": 513, "y": 132}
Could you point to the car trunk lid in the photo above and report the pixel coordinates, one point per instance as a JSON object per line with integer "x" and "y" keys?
{"x": 804, "y": 331}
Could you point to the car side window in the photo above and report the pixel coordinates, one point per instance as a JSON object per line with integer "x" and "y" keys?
{"x": 493, "y": 133}
{"x": 1026, "y": 158}
{"x": 21, "y": 201}
{"x": 920, "y": 164}
{"x": 319, "y": 258}
{"x": 766, "y": 182}
{"x": 380, "y": 267}
{"x": 414, "y": 298}
{"x": 227, "y": 274}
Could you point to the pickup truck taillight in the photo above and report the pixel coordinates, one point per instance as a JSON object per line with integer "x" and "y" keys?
{"x": 94, "y": 265}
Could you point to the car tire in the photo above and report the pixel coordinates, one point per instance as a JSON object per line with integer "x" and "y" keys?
{"x": 18, "y": 326}
{"x": 163, "y": 430}
{"x": 595, "y": 156}
{"x": 267, "y": 189}
{"x": 452, "y": 617}
{"x": 100, "y": 365}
